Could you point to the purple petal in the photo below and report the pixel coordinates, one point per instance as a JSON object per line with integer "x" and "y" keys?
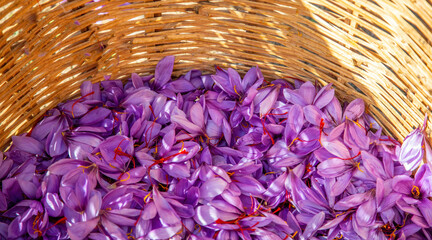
{"x": 212, "y": 187}
{"x": 62, "y": 167}
{"x": 235, "y": 80}
{"x": 28, "y": 144}
{"x": 351, "y": 201}
{"x": 333, "y": 167}
{"x": 123, "y": 217}
{"x": 334, "y": 111}
{"x": 205, "y": 215}
{"x": 149, "y": 211}
{"x": 114, "y": 231}
{"x": 3, "y": 202}
{"x": 373, "y": 165}
{"x": 163, "y": 71}
{"x": 249, "y": 185}
{"x": 267, "y": 104}
{"x": 53, "y": 205}
{"x": 137, "y": 81}
{"x": 355, "y": 109}
{"x": 164, "y": 232}
{"x": 389, "y": 201}
{"x": 181, "y": 86}
{"x": 324, "y": 96}
{"x": 295, "y": 122}
{"x": 80, "y": 230}
{"x": 411, "y": 154}
{"x": 307, "y": 90}
{"x": 403, "y": 184}
{"x": 142, "y": 96}
{"x": 337, "y": 148}
{"x": 185, "y": 124}
{"x": 95, "y": 116}
{"x": 425, "y": 207}
{"x": 366, "y": 213}
{"x": 313, "y": 226}
{"x": 164, "y": 209}
{"x": 293, "y": 97}
{"x": 226, "y": 129}
{"x": 197, "y": 115}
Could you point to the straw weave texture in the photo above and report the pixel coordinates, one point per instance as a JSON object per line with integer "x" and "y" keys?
{"x": 376, "y": 50}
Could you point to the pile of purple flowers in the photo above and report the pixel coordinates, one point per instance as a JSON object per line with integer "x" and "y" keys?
{"x": 213, "y": 157}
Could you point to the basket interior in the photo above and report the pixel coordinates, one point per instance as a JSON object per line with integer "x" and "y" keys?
{"x": 376, "y": 50}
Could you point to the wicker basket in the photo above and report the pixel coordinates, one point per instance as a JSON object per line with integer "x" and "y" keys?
{"x": 378, "y": 50}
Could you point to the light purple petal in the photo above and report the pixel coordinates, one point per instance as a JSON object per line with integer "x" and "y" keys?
{"x": 307, "y": 91}
{"x": 355, "y": 109}
{"x": 333, "y": 167}
{"x": 411, "y": 154}
{"x": 80, "y": 230}
{"x": 425, "y": 207}
{"x": 313, "y": 226}
{"x": 324, "y": 96}
{"x": 212, "y": 187}
{"x": 164, "y": 209}
{"x": 351, "y": 201}
{"x": 366, "y": 213}
{"x": 163, "y": 71}
{"x": 267, "y": 104}
{"x": 373, "y": 165}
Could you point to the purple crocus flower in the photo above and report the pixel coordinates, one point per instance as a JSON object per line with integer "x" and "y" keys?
{"x": 213, "y": 156}
{"x": 415, "y": 193}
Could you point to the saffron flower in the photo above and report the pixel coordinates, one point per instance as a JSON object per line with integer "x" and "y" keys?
{"x": 213, "y": 156}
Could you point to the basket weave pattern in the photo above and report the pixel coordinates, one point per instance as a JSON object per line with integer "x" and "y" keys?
{"x": 376, "y": 50}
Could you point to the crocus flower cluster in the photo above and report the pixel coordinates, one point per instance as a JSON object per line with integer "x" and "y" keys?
{"x": 213, "y": 157}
